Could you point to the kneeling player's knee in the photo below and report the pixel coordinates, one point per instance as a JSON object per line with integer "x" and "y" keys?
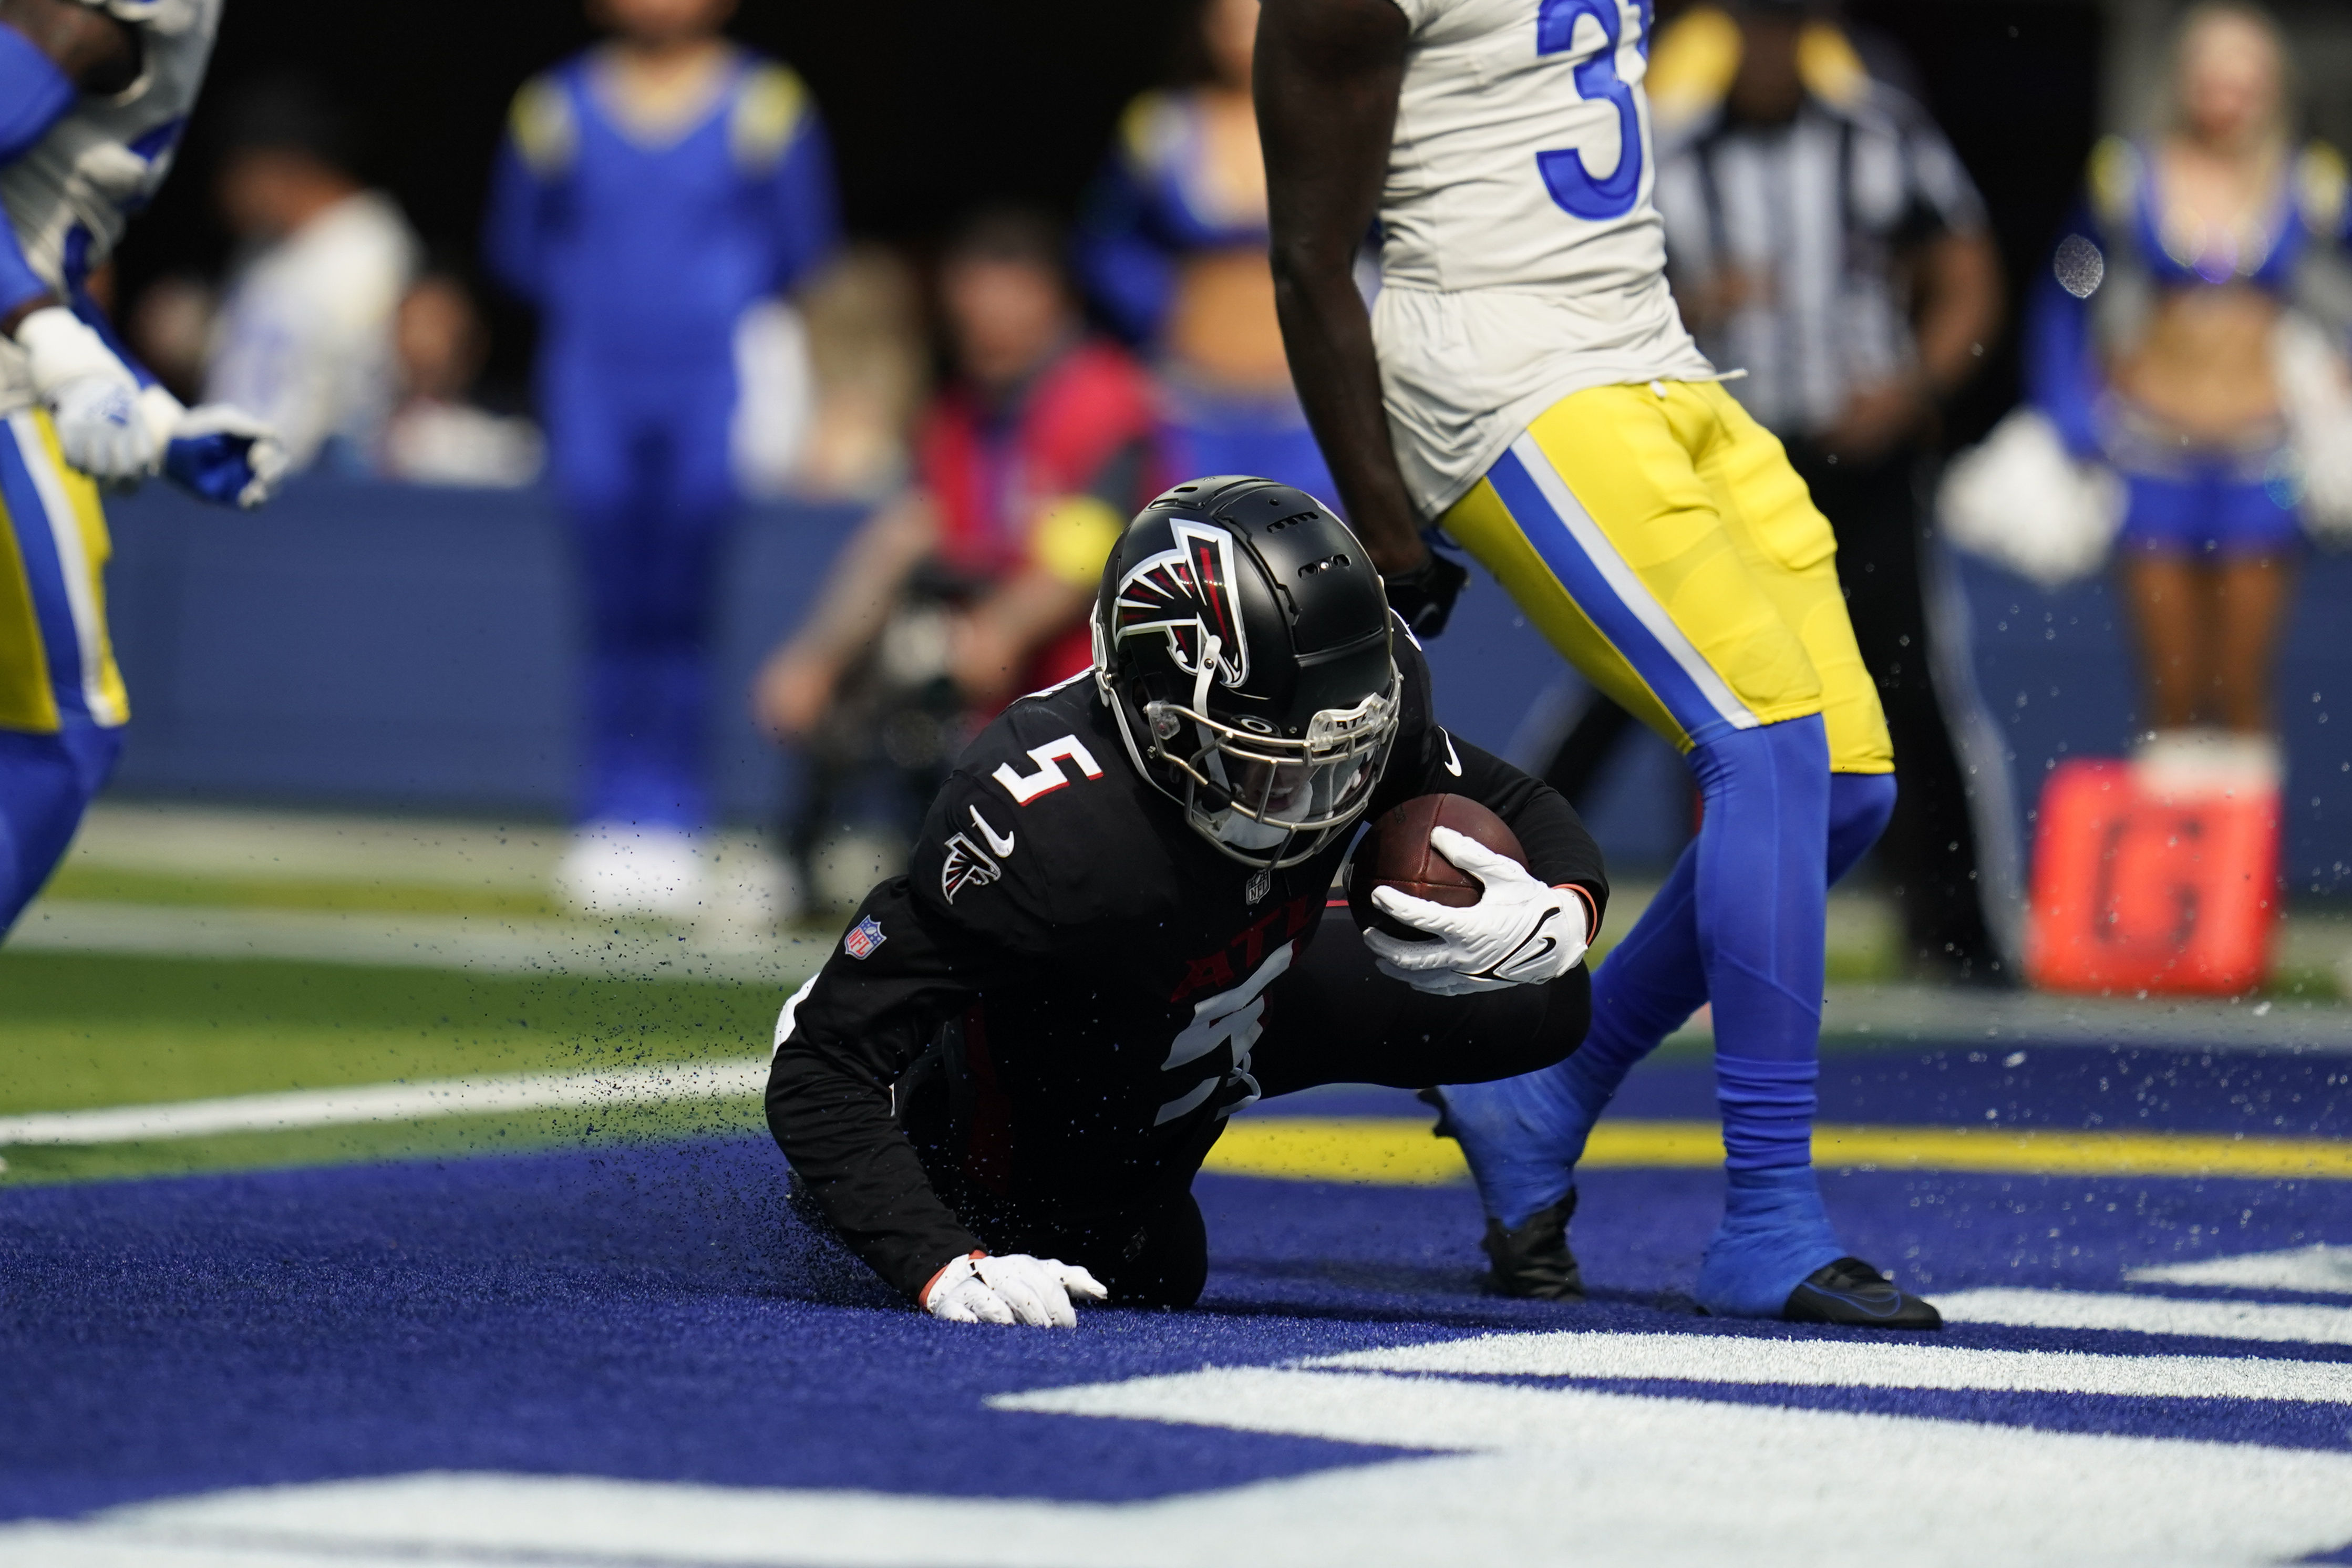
{"x": 1860, "y": 806}
{"x": 1568, "y": 1015}
{"x": 1168, "y": 1259}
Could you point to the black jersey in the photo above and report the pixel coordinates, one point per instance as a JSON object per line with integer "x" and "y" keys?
{"x": 1102, "y": 964}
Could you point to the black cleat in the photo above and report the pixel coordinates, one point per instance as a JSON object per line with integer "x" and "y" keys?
{"x": 1853, "y": 1295}
{"x": 1534, "y": 1261}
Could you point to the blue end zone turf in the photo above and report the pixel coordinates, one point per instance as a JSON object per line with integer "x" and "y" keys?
{"x": 656, "y": 1312}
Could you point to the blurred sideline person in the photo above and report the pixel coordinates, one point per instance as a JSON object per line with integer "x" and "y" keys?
{"x": 304, "y": 333}
{"x": 1000, "y": 1086}
{"x": 92, "y": 97}
{"x": 2152, "y": 346}
{"x": 870, "y": 357}
{"x": 1525, "y": 381}
{"x": 973, "y": 585}
{"x": 1821, "y": 236}
{"x": 649, "y": 194}
{"x": 438, "y": 434}
{"x": 1171, "y": 249}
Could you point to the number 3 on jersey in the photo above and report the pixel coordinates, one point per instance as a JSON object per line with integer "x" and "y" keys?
{"x": 1565, "y": 173}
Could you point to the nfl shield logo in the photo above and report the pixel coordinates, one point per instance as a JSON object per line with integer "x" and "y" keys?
{"x": 864, "y": 937}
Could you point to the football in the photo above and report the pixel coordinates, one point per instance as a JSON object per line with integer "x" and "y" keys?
{"x": 1395, "y": 852}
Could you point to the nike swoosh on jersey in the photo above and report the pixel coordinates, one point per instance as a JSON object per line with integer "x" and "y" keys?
{"x": 999, "y": 843}
{"x": 1453, "y": 763}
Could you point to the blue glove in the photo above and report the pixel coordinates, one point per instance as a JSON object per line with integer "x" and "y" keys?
{"x": 225, "y": 455}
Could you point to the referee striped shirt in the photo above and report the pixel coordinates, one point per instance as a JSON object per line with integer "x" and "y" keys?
{"x": 1813, "y": 218}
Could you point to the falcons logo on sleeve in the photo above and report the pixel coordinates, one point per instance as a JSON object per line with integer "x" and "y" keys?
{"x": 1188, "y": 594}
{"x": 967, "y": 865}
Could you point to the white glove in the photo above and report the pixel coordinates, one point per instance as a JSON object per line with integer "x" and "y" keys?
{"x": 92, "y": 396}
{"x": 1520, "y": 932}
{"x": 1017, "y": 1288}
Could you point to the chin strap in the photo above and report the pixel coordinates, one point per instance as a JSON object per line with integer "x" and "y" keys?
{"x": 1201, "y": 678}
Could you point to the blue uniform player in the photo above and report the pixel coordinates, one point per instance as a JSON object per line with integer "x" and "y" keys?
{"x": 1525, "y": 381}
{"x": 93, "y": 96}
{"x": 648, "y": 195}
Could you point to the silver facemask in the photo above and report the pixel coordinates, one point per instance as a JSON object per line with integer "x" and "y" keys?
{"x": 1263, "y": 799}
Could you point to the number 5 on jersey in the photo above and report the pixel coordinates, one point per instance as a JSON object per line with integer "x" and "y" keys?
{"x": 1565, "y": 172}
{"x": 1049, "y": 776}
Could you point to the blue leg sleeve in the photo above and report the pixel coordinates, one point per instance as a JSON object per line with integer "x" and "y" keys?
{"x": 1760, "y": 907}
{"x": 45, "y": 782}
{"x": 1760, "y": 915}
{"x": 1524, "y": 1136}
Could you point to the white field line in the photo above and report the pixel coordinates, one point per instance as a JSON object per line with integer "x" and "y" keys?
{"x": 492, "y": 943}
{"x": 1518, "y": 1474}
{"x": 2283, "y": 1323}
{"x": 2315, "y": 1270}
{"x": 1837, "y": 1363}
{"x": 730, "y": 1079}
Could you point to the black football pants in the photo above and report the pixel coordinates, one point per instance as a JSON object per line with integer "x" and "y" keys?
{"x": 1334, "y": 1018}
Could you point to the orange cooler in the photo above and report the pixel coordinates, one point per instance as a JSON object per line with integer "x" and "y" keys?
{"x": 2135, "y": 890}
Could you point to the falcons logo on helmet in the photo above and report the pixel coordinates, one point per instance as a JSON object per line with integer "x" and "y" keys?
{"x": 1189, "y": 593}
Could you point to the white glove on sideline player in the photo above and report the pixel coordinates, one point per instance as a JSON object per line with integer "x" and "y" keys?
{"x": 92, "y": 395}
{"x": 1015, "y": 1289}
{"x": 1520, "y": 932}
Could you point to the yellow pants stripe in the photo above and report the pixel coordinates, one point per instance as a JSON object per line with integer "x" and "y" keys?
{"x": 52, "y": 589}
{"x": 1661, "y": 541}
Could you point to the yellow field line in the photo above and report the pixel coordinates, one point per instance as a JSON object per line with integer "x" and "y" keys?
{"x": 1398, "y": 1152}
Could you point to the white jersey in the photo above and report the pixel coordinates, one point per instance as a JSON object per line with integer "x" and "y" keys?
{"x": 71, "y": 197}
{"x": 1521, "y": 259}
{"x": 304, "y": 338}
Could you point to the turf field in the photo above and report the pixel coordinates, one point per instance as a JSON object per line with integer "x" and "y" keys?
{"x": 342, "y": 1263}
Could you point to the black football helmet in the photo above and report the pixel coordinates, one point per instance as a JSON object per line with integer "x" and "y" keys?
{"x": 1242, "y": 639}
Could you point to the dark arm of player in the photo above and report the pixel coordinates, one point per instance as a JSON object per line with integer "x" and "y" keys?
{"x": 50, "y": 51}
{"x": 1326, "y": 80}
{"x": 855, "y": 1034}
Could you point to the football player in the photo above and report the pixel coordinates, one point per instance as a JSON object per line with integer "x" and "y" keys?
{"x": 998, "y": 1090}
{"x": 93, "y": 96}
{"x": 1524, "y": 382}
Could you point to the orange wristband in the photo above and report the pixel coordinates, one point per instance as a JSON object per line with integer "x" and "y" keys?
{"x": 923, "y": 1295}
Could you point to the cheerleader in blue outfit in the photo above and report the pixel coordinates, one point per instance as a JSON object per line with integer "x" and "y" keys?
{"x": 1172, "y": 248}
{"x": 648, "y": 193}
{"x": 2153, "y": 349}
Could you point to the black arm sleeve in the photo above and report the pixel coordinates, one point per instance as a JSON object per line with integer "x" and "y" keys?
{"x": 857, "y": 1029}
{"x": 865, "y": 1020}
